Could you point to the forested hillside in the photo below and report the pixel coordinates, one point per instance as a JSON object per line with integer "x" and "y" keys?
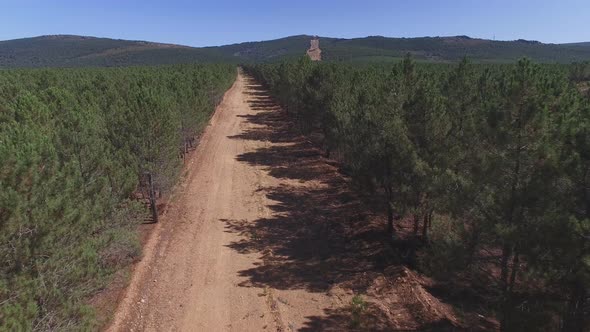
{"x": 74, "y": 148}
{"x": 77, "y": 51}
{"x": 452, "y": 49}
{"x": 483, "y": 171}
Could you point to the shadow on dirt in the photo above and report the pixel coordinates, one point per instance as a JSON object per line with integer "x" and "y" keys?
{"x": 344, "y": 319}
{"x": 319, "y": 234}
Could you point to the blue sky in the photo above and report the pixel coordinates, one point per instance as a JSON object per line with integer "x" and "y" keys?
{"x": 202, "y": 23}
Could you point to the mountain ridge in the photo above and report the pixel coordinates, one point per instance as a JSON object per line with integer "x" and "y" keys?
{"x": 65, "y": 50}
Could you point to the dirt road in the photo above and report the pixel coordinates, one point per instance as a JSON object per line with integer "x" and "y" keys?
{"x": 264, "y": 234}
{"x": 195, "y": 272}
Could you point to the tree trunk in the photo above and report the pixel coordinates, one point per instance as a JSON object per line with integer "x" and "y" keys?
{"x": 574, "y": 318}
{"x": 472, "y": 245}
{"x": 416, "y": 222}
{"x": 507, "y": 249}
{"x": 506, "y": 298}
{"x": 389, "y": 191}
{"x": 390, "y": 228}
{"x": 425, "y": 222}
{"x": 506, "y": 253}
{"x": 515, "y": 266}
{"x": 152, "y": 194}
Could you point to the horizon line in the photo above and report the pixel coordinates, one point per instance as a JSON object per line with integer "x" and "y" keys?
{"x": 285, "y": 37}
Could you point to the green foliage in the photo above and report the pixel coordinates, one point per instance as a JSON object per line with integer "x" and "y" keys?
{"x": 580, "y": 72}
{"x": 487, "y": 158}
{"x": 448, "y": 252}
{"x": 358, "y": 308}
{"x": 73, "y": 146}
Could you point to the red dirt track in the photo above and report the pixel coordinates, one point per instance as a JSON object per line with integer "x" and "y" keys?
{"x": 263, "y": 234}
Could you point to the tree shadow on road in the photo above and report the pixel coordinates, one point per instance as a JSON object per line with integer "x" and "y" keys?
{"x": 320, "y": 232}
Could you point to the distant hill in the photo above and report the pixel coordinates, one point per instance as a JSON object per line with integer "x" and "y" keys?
{"x": 443, "y": 49}
{"x": 75, "y": 51}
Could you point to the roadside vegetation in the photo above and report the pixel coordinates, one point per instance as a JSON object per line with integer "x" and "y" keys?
{"x": 74, "y": 146}
{"x": 483, "y": 172}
